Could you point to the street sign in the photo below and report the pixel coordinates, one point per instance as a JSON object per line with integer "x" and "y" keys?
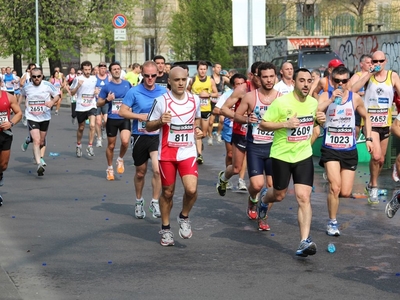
{"x": 119, "y": 35}
{"x": 119, "y": 21}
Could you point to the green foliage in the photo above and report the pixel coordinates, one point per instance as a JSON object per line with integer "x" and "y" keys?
{"x": 62, "y": 26}
{"x": 203, "y": 30}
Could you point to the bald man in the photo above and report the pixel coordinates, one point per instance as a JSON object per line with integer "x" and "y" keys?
{"x": 286, "y": 85}
{"x": 378, "y": 100}
{"x": 177, "y": 115}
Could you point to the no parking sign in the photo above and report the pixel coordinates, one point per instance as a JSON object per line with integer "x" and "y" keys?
{"x": 119, "y": 21}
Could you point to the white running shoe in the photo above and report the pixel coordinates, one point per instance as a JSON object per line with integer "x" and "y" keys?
{"x": 139, "y": 210}
{"x": 395, "y": 176}
{"x": 154, "y": 207}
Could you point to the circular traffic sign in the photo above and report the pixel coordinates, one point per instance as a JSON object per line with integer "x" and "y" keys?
{"x": 119, "y": 21}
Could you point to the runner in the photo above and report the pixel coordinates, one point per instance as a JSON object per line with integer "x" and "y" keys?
{"x": 177, "y": 115}
{"x": 111, "y": 96}
{"x": 203, "y": 86}
{"x": 238, "y": 135}
{"x": 237, "y": 81}
{"x": 162, "y": 76}
{"x": 394, "y": 204}
{"x": 38, "y": 95}
{"x": 136, "y": 105}
{"x": 292, "y": 118}
{"x": 339, "y": 154}
{"x": 84, "y": 87}
{"x": 8, "y": 102}
{"x": 101, "y": 112}
{"x": 285, "y": 85}
{"x": 258, "y": 146}
{"x": 378, "y": 100}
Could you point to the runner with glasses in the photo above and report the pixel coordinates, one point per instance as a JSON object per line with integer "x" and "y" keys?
{"x": 339, "y": 154}
{"x": 378, "y": 101}
{"x": 136, "y": 105}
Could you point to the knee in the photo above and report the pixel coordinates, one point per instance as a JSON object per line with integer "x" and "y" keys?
{"x": 345, "y": 194}
{"x": 168, "y": 194}
{"x": 92, "y": 126}
{"x": 125, "y": 143}
{"x": 335, "y": 190}
{"x": 229, "y": 154}
{"x": 279, "y": 195}
{"x": 140, "y": 174}
{"x": 191, "y": 192}
{"x": 81, "y": 127}
{"x": 303, "y": 198}
{"x": 111, "y": 146}
{"x": 3, "y": 166}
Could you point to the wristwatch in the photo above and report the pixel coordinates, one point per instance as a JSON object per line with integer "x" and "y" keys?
{"x": 368, "y": 139}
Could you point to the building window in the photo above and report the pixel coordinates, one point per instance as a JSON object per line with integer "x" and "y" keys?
{"x": 149, "y": 12}
{"x": 149, "y": 45}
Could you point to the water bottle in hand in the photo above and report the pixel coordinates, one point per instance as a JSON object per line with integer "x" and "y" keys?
{"x": 338, "y": 99}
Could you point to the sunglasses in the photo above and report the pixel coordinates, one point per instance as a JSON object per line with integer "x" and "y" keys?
{"x": 150, "y": 75}
{"x": 337, "y": 80}
{"x": 105, "y": 66}
{"x": 36, "y": 76}
{"x": 375, "y": 61}
{"x": 79, "y": 73}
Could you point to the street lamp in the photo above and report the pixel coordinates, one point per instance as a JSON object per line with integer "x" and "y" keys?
{"x": 37, "y": 32}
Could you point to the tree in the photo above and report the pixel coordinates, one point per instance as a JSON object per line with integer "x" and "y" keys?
{"x": 62, "y": 25}
{"x": 203, "y": 30}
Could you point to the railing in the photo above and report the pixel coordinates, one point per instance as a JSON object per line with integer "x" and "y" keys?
{"x": 342, "y": 24}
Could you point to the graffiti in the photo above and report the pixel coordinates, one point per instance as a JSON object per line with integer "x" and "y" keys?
{"x": 273, "y": 49}
{"x": 296, "y": 43}
{"x": 351, "y": 48}
{"x": 392, "y": 52}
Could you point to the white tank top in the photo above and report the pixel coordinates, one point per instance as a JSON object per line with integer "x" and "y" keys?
{"x": 378, "y": 101}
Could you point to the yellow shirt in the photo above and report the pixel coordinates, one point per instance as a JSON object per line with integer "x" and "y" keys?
{"x": 199, "y": 86}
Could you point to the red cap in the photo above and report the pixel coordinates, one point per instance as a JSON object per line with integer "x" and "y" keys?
{"x": 334, "y": 63}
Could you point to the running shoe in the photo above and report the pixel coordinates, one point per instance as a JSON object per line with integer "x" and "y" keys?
{"x": 262, "y": 210}
{"x": 24, "y": 146}
{"x": 99, "y": 143}
{"x": 395, "y": 176}
{"x": 252, "y": 209}
{"x": 219, "y": 140}
{"x": 332, "y": 229}
{"x": 78, "y": 151}
{"x": 120, "y": 166}
{"x": 241, "y": 185}
{"x": 372, "y": 193}
{"x": 110, "y": 174}
{"x": 89, "y": 150}
{"x": 393, "y": 205}
{"x": 56, "y": 113}
{"x": 43, "y": 162}
{"x": 307, "y": 247}
{"x": 185, "y": 230}
{"x": 221, "y": 184}
{"x": 167, "y": 237}
{"x": 200, "y": 159}
{"x": 324, "y": 176}
{"x": 210, "y": 141}
{"x": 40, "y": 170}
{"x": 1, "y": 200}
{"x": 139, "y": 210}
{"x": 229, "y": 186}
{"x": 154, "y": 207}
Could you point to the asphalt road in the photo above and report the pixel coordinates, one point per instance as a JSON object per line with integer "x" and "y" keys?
{"x": 71, "y": 234}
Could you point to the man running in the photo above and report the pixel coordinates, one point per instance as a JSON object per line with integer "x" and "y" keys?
{"x": 203, "y": 86}
{"x": 101, "y": 113}
{"x": 177, "y": 115}
{"x": 258, "y": 146}
{"x": 136, "y": 105}
{"x": 162, "y": 76}
{"x": 378, "y": 100}
{"x": 285, "y": 85}
{"x": 40, "y": 96}
{"x": 339, "y": 154}
{"x": 394, "y": 204}
{"x": 111, "y": 96}
{"x": 8, "y": 102}
{"x": 84, "y": 87}
{"x": 238, "y": 135}
{"x": 292, "y": 118}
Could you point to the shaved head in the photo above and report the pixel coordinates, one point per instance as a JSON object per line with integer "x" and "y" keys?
{"x": 378, "y": 55}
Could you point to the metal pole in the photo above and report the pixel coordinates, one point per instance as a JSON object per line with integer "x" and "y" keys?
{"x": 37, "y": 32}
{"x": 250, "y": 32}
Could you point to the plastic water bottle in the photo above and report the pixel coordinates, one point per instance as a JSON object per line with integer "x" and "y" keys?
{"x": 54, "y": 154}
{"x": 382, "y": 192}
{"x": 331, "y": 248}
{"x": 338, "y": 99}
{"x": 257, "y": 113}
